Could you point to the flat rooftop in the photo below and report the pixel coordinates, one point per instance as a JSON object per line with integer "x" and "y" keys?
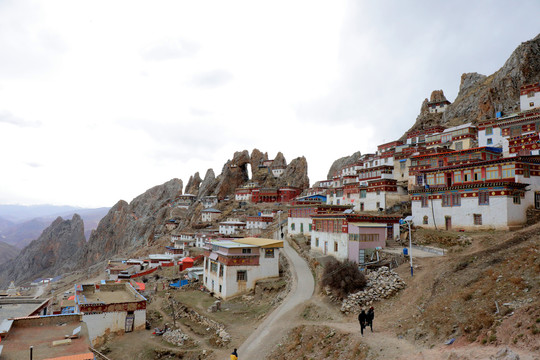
{"x": 40, "y": 332}
{"x": 109, "y": 294}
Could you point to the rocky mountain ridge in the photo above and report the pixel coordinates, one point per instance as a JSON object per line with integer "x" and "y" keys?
{"x": 136, "y": 227}
{"x": 480, "y": 97}
{"x": 55, "y": 252}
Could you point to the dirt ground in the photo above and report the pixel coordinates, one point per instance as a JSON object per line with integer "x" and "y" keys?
{"x": 484, "y": 294}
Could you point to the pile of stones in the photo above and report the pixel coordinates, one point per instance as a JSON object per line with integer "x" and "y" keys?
{"x": 175, "y": 337}
{"x": 381, "y": 284}
{"x": 223, "y": 336}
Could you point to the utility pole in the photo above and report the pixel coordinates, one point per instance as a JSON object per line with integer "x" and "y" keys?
{"x": 408, "y": 220}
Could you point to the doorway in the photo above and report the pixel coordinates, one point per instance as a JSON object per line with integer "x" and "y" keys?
{"x": 130, "y": 320}
{"x": 448, "y": 222}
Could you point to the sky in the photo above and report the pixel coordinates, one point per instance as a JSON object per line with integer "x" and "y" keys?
{"x": 102, "y": 100}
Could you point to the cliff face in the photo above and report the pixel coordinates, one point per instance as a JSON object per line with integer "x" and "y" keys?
{"x": 129, "y": 226}
{"x": 480, "y": 97}
{"x": 56, "y": 251}
{"x": 341, "y": 162}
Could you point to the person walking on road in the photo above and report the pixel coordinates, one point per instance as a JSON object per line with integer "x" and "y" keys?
{"x": 362, "y": 319}
{"x": 234, "y": 355}
{"x": 370, "y": 316}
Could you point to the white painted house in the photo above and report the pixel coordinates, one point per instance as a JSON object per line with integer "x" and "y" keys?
{"x": 232, "y": 267}
{"x": 231, "y": 227}
{"x": 488, "y": 194}
{"x": 109, "y": 309}
{"x": 210, "y": 214}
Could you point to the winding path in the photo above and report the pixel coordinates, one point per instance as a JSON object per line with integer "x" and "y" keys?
{"x": 270, "y": 331}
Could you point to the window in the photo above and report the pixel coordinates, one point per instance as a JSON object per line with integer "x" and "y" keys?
{"x": 361, "y": 206}
{"x": 531, "y": 104}
{"x": 246, "y": 251}
{"x": 402, "y": 165}
{"x": 489, "y": 141}
{"x": 378, "y": 205}
{"x": 467, "y": 176}
{"x": 292, "y": 226}
{"x": 317, "y": 242}
{"x": 477, "y": 219}
{"x": 241, "y": 275}
{"x": 310, "y": 226}
{"x": 378, "y": 192}
{"x": 483, "y": 198}
{"x": 537, "y": 200}
{"x": 477, "y": 174}
{"x": 492, "y": 173}
{"x": 213, "y": 267}
{"x": 508, "y": 171}
{"x": 457, "y": 176}
{"x": 430, "y": 179}
{"x": 440, "y": 179}
{"x": 459, "y": 145}
{"x": 424, "y": 200}
{"x": 220, "y": 288}
{"x": 489, "y": 131}
{"x": 453, "y": 199}
{"x": 368, "y": 237}
{"x": 526, "y": 171}
{"x": 515, "y": 131}
{"x": 221, "y": 270}
{"x": 517, "y": 198}
{"x": 335, "y": 246}
{"x": 268, "y": 253}
{"x": 456, "y": 199}
{"x": 363, "y": 193}
{"x": 425, "y": 221}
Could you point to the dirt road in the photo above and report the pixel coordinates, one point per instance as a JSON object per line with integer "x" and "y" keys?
{"x": 268, "y": 333}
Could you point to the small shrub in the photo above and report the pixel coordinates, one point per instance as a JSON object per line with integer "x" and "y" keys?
{"x": 343, "y": 278}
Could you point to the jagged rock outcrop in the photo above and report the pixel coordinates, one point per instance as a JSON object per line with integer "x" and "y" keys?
{"x": 295, "y": 174}
{"x": 55, "y": 252}
{"x": 208, "y": 184}
{"x": 480, "y": 97}
{"x": 234, "y": 174}
{"x": 128, "y": 226}
{"x": 193, "y": 184}
{"x": 279, "y": 161}
{"x": 341, "y": 162}
{"x": 259, "y": 175}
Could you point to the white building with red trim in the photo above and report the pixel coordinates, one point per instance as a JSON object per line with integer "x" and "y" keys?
{"x": 110, "y": 308}
{"x": 231, "y": 227}
{"x": 529, "y": 97}
{"x": 232, "y": 267}
{"x": 487, "y": 194}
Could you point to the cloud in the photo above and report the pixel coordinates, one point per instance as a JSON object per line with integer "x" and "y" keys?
{"x": 33, "y": 164}
{"x": 169, "y": 49}
{"x": 9, "y": 118}
{"x": 199, "y": 112}
{"x": 212, "y": 79}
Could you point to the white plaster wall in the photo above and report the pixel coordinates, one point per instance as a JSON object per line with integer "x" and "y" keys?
{"x": 494, "y": 216}
{"x": 114, "y": 321}
{"x": 268, "y": 267}
{"x": 331, "y": 238}
{"x": 525, "y": 101}
{"x": 497, "y": 138}
{"x": 297, "y": 222}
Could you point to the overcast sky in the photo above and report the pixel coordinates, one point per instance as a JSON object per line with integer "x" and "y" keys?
{"x": 101, "y": 100}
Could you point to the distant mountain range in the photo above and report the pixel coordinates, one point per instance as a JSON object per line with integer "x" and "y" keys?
{"x": 20, "y": 224}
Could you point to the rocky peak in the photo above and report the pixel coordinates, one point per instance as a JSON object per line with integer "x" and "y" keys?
{"x": 279, "y": 161}
{"x": 208, "y": 184}
{"x": 295, "y": 174}
{"x": 344, "y": 161}
{"x": 56, "y": 251}
{"x": 437, "y": 96}
{"x": 193, "y": 184}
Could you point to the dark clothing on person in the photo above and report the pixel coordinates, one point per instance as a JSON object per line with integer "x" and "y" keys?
{"x": 362, "y": 319}
{"x": 234, "y": 355}
{"x": 370, "y": 316}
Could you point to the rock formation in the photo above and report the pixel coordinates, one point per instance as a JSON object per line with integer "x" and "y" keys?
{"x": 208, "y": 184}
{"x": 55, "y": 252}
{"x": 7, "y": 252}
{"x": 132, "y": 225}
{"x": 295, "y": 174}
{"x": 480, "y": 97}
{"x": 341, "y": 162}
{"x": 193, "y": 184}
